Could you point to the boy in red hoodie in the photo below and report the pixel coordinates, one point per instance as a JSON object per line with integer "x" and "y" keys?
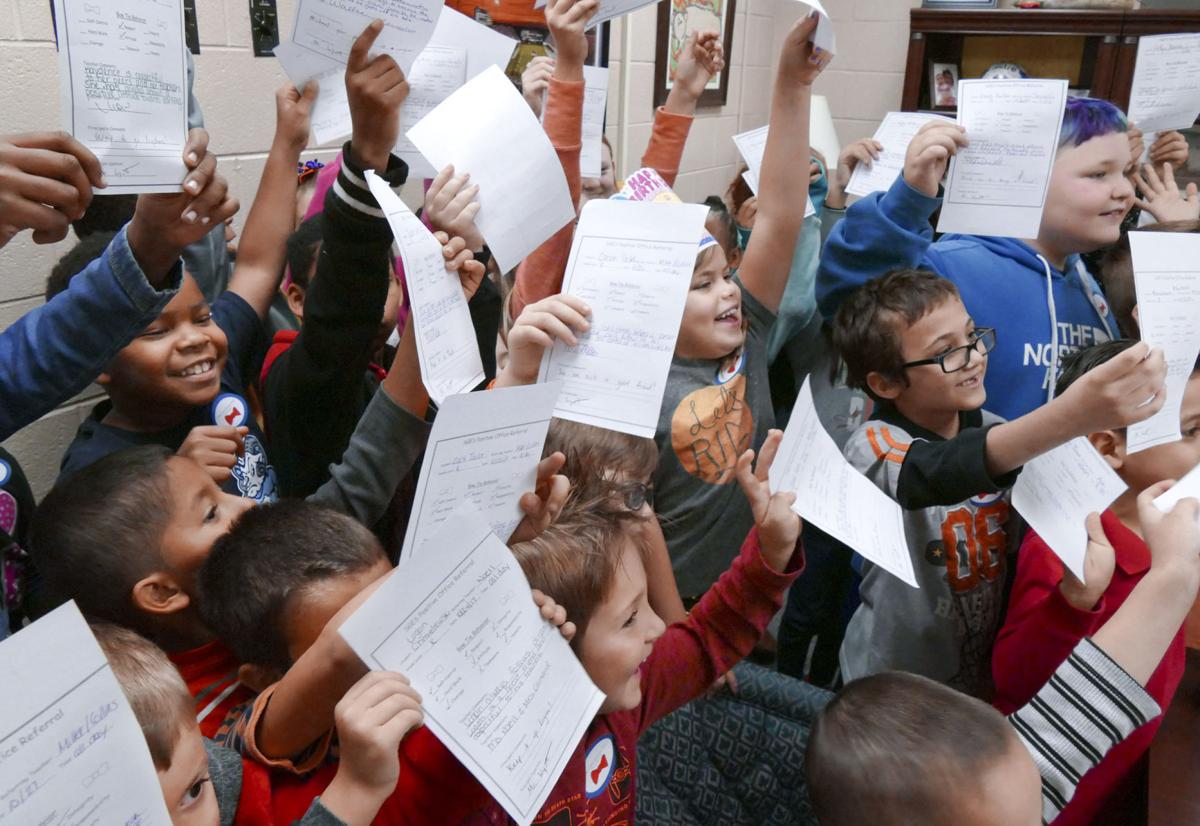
{"x": 1050, "y": 611}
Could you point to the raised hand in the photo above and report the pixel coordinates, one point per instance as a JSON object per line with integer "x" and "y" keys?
{"x": 778, "y": 525}
{"x": 545, "y": 502}
{"x": 451, "y": 206}
{"x": 376, "y": 88}
{"x": 801, "y": 61}
{"x": 554, "y": 614}
{"x": 557, "y": 318}
{"x": 702, "y": 57}
{"x": 46, "y": 181}
{"x": 293, "y": 114}
{"x": 929, "y": 154}
{"x": 567, "y": 21}
{"x": 1161, "y": 196}
{"x": 1124, "y": 390}
{"x": 864, "y": 151}
{"x": 215, "y": 448}
{"x": 535, "y": 80}
{"x": 1099, "y": 562}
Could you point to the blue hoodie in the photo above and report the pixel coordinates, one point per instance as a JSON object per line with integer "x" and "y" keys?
{"x": 1003, "y": 283}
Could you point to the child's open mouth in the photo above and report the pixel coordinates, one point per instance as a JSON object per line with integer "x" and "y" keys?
{"x": 730, "y": 316}
{"x": 200, "y": 369}
{"x": 974, "y": 381}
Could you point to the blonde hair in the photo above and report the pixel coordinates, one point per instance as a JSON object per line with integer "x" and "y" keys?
{"x": 156, "y": 692}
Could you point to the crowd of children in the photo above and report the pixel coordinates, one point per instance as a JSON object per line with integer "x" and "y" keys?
{"x": 245, "y": 485}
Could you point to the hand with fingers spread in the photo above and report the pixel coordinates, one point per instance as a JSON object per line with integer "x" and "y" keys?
{"x": 451, "y": 205}
{"x": 865, "y": 151}
{"x": 557, "y": 318}
{"x": 929, "y": 154}
{"x": 801, "y": 60}
{"x": 567, "y": 21}
{"x": 163, "y": 225}
{"x": 1161, "y": 196}
{"x": 778, "y": 525}
{"x": 1099, "y": 563}
{"x": 215, "y": 448}
{"x": 554, "y": 614}
{"x": 293, "y": 114}
{"x": 1169, "y": 147}
{"x": 544, "y": 503}
{"x": 376, "y": 88}
{"x": 535, "y": 80}
{"x": 1124, "y": 390}
{"x": 702, "y": 57}
{"x": 46, "y": 181}
{"x": 374, "y": 716}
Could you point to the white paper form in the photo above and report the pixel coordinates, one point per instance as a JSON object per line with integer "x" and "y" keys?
{"x": 632, "y": 263}
{"x": 834, "y": 496}
{"x": 330, "y": 119}
{"x": 71, "y": 750}
{"x": 595, "y": 104}
{"x": 997, "y": 185}
{"x": 1057, "y": 490}
{"x": 484, "y": 47}
{"x": 484, "y": 451}
{"x": 123, "y": 80}
{"x": 751, "y": 145}
{"x": 436, "y": 74}
{"x": 446, "y": 345}
{"x": 895, "y": 133}
{"x": 823, "y": 37}
{"x": 500, "y": 687}
{"x": 329, "y": 27}
{"x": 1166, "y": 276}
{"x": 1165, "y": 93}
{"x": 523, "y": 192}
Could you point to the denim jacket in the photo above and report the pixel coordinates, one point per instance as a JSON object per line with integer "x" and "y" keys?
{"x": 54, "y": 351}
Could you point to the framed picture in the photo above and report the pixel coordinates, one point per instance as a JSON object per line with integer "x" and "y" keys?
{"x": 677, "y": 19}
{"x": 943, "y": 85}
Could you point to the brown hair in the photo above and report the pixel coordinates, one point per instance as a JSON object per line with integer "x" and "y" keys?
{"x": 155, "y": 691}
{"x": 739, "y": 191}
{"x": 866, "y": 330}
{"x": 893, "y": 747}
{"x": 575, "y": 560}
{"x": 1116, "y": 275}
{"x": 599, "y": 452}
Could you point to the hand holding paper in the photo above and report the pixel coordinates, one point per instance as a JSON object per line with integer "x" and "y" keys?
{"x": 375, "y": 90}
{"x": 328, "y": 27}
{"x": 895, "y": 135}
{"x": 34, "y": 199}
{"x": 1165, "y": 93}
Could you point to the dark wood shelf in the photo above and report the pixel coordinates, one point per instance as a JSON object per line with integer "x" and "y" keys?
{"x": 1097, "y": 47}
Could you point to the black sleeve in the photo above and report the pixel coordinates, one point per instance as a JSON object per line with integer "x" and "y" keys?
{"x": 949, "y": 472}
{"x": 485, "y": 307}
{"x": 313, "y": 395}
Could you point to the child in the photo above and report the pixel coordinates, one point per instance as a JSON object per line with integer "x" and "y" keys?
{"x": 167, "y": 381}
{"x": 908, "y": 340}
{"x": 1050, "y": 611}
{"x": 1003, "y": 281}
{"x": 899, "y": 749}
{"x": 205, "y": 784}
{"x": 591, "y": 562}
{"x": 55, "y": 351}
{"x": 717, "y": 401}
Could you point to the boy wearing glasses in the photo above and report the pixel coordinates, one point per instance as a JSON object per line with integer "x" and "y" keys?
{"x": 908, "y": 341}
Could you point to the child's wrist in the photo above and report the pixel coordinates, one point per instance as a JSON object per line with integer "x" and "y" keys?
{"x": 351, "y": 800}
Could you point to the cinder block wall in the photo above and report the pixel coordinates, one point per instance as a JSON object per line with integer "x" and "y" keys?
{"x": 236, "y": 91}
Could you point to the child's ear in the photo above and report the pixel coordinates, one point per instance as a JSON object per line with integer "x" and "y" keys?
{"x": 882, "y": 386}
{"x": 159, "y": 593}
{"x": 294, "y": 294}
{"x": 258, "y": 677}
{"x": 1110, "y": 445}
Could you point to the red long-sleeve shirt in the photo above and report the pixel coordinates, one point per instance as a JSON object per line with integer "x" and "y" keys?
{"x": 1042, "y": 629}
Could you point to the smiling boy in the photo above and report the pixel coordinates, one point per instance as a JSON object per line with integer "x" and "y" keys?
{"x": 909, "y": 342}
{"x": 1004, "y": 282}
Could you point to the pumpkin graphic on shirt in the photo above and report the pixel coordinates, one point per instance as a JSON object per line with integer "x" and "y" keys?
{"x": 711, "y": 427}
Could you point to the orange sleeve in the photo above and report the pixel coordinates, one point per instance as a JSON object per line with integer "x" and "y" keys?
{"x": 541, "y": 273}
{"x": 311, "y": 758}
{"x": 665, "y": 150}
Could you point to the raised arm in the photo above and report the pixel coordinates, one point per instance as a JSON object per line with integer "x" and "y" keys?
{"x": 784, "y": 183}
{"x": 541, "y": 273}
{"x": 702, "y": 57}
{"x": 262, "y": 249}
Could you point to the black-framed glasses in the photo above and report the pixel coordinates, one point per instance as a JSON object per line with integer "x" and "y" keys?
{"x": 983, "y": 341}
{"x": 638, "y": 494}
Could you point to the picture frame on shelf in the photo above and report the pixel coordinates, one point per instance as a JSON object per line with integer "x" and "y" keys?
{"x": 943, "y": 85}
{"x": 677, "y": 19}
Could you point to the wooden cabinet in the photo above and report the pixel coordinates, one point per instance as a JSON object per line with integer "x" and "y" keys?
{"x": 1094, "y": 50}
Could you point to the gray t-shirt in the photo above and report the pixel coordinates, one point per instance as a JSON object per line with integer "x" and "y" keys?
{"x": 712, "y": 412}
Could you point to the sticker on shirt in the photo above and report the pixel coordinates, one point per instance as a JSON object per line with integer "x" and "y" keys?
{"x": 253, "y": 475}
{"x": 730, "y": 367}
{"x": 711, "y": 428}
{"x": 230, "y": 410}
{"x": 1100, "y": 304}
{"x": 5, "y": 472}
{"x": 599, "y": 765}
